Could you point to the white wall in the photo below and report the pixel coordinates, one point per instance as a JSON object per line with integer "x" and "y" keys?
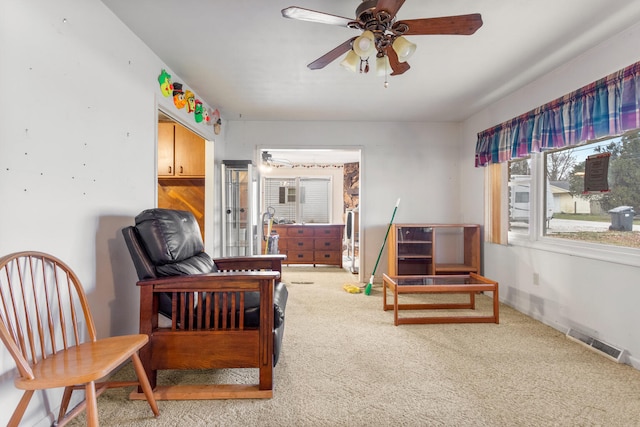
{"x": 77, "y": 154}
{"x": 595, "y": 296}
{"x": 416, "y": 162}
{"x": 77, "y": 163}
{"x": 77, "y": 157}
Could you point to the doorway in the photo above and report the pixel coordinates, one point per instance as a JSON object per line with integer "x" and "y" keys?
{"x": 294, "y": 166}
{"x": 181, "y": 169}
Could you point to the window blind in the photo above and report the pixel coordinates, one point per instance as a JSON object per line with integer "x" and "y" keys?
{"x": 314, "y": 200}
{"x": 299, "y": 199}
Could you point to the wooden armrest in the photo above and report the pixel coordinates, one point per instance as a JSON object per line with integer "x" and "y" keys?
{"x": 211, "y": 281}
{"x": 253, "y": 262}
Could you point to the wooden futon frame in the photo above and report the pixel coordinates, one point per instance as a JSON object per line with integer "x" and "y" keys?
{"x": 213, "y": 334}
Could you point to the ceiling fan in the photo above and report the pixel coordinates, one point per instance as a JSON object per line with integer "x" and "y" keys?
{"x": 269, "y": 160}
{"x": 383, "y": 35}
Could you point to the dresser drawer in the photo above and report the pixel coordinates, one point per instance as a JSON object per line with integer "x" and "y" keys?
{"x": 327, "y": 257}
{"x": 282, "y": 245}
{"x": 327, "y": 244}
{"x": 298, "y": 244}
{"x": 328, "y": 231}
{"x": 299, "y": 257}
{"x": 302, "y": 231}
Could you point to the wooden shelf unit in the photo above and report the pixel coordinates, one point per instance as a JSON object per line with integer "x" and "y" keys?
{"x": 428, "y": 249}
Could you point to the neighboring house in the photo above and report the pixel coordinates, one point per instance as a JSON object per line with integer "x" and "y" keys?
{"x": 565, "y": 202}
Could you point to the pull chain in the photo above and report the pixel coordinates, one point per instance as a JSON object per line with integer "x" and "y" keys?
{"x": 364, "y": 69}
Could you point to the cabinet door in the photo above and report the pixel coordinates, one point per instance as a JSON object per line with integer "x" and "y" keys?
{"x": 165, "y": 149}
{"x": 413, "y": 250}
{"x": 189, "y": 153}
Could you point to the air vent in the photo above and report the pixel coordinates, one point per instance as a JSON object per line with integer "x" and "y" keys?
{"x": 596, "y": 345}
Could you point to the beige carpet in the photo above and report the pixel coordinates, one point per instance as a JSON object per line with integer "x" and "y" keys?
{"x": 344, "y": 363}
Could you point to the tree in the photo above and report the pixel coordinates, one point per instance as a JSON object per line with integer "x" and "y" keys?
{"x": 576, "y": 180}
{"x": 624, "y": 173}
{"x": 519, "y": 167}
{"x": 560, "y": 165}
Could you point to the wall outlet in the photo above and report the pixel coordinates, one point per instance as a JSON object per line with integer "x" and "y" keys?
{"x": 536, "y": 279}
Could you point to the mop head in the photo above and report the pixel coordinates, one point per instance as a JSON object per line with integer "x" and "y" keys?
{"x": 351, "y": 288}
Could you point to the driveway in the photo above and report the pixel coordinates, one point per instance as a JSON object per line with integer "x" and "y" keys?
{"x": 563, "y": 225}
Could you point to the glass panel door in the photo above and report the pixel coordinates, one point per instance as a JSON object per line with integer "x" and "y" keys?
{"x": 237, "y": 220}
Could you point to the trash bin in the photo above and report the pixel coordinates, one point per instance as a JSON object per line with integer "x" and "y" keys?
{"x": 622, "y": 218}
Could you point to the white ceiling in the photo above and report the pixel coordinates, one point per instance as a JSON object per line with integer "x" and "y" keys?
{"x": 243, "y": 57}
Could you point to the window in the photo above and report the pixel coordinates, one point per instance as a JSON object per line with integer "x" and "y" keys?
{"x": 603, "y": 118}
{"x": 588, "y": 193}
{"x": 298, "y": 200}
{"x": 519, "y": 195}
{"x": 600, "y": 214}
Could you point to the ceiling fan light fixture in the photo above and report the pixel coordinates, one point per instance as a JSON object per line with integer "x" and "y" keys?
{"x": 404, "y": 48}
{"x": 382, "y": 32}
{"x": 383, "y": 67}
{"x": 351, "y": 62}
{"x": 364, "y": 46}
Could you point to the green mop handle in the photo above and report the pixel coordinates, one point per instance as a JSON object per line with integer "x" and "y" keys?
{"x": 375, "y": 267}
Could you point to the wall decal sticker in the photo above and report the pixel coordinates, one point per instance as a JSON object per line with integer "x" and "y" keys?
{"x": 185, "y": 98}
{"x": 198, "y": 111}
{"x": 191, "y": 100}
{"x": 178, "y": 96}
{"x": 215, "y": 116}
{"x": 165, "y": 83}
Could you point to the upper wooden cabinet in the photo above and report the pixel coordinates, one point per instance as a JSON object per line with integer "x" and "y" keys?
{"x": 180, "y": 152}
{"x": 165, "y": 149}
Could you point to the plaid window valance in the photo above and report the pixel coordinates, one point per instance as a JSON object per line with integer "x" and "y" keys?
{"x": 607, "y": 107}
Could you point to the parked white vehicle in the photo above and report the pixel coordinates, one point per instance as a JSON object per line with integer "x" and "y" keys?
{"x": 519, "y": 196}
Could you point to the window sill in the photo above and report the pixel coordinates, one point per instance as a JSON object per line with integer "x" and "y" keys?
{"x": 615, "y": 254}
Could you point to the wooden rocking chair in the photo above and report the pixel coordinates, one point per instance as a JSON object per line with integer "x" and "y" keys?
{"x": 46, "y": 325}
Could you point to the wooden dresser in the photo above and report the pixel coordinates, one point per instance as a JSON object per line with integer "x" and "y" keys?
{"x": 311, "y": 243}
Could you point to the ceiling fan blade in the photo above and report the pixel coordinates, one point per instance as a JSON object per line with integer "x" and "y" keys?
{"x": 302, "y": 14}
{"x": 391, "y": 6}
{"x": 460, "y": 24}
{"x": 397, "y": 66}
{"x": 331, "y": 56}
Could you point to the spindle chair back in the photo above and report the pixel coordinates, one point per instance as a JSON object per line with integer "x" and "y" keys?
{"x": 47, "y": 327}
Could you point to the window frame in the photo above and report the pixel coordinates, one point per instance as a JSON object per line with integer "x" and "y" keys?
{"x": 535, "y": 238}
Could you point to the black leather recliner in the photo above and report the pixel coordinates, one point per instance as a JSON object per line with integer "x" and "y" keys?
{"x": 166, "y": 242}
